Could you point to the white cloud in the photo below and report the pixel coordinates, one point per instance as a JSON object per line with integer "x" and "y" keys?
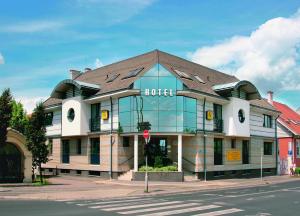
{"x": 269, "y": 56}
{"x": 32, "y": 26}
{"x": 98, "y": 63}
{"x": 30, "y": 103}
{"x": 1, "y": 59}
{"x": 112, "y": 11}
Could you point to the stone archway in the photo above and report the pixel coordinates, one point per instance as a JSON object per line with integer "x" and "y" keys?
{"x": 16, "y": 159}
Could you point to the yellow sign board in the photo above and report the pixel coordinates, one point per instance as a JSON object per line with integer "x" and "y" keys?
{"x": 104, "y": 114}
{"x": 233, "y": 155}
{"x": 209, "y": 115}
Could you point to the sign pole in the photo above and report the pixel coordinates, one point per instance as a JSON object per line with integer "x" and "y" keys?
{"x": 146, "y": 174}
{"x": 147, "y": 138}
{"x": 261, "y": 164}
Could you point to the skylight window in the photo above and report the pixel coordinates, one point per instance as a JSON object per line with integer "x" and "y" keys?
{"x": 133, "y": 73}
{"x": 182, "y": 74}
{"x": 112, "y": 78}
{"x": 199, "y": 79}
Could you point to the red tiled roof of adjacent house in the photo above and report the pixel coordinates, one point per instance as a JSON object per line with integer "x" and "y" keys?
{"x": 289, "y": 117}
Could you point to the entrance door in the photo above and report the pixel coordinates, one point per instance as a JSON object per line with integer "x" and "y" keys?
{"x": 11, "y": 169}
{"x": 158, "y": 147}
{"x": 66, "y": 151}
{"x": 245, "y": 152}
{"x": 95, "y": 151}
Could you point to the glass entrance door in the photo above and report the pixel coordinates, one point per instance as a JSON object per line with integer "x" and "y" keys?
{"x": 245, "y": 152}
{"x": 158, "y": 150}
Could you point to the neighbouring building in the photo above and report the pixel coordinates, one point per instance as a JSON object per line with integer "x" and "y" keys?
{"x": 288, "y": 127}
{"x": 15, "y": 159}
{"x": 207, "y": 123}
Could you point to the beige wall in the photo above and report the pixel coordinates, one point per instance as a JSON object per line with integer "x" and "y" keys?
{"x": 193, "y": 151}
{"x": 193, "y": 154}
{"x": 19, "y": 141}
{"x": 82, "y": 162}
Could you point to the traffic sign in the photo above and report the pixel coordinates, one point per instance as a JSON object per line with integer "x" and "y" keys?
{"x": 146, "y": 134}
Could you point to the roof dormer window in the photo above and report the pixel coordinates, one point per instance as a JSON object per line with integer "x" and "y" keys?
{"x": 182, "y": 74}
{"x": 199, "y": 79}
{"x": 133, "y": 73}
{"x": 112, "y": 78}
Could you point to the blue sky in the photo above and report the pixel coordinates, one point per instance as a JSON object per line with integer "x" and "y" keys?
{"x": 253, "y": 39}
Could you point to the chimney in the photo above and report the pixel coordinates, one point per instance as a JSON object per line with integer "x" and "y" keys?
{"x": 74, "y": 73}
{"x": 270, "y": 97}
{"x": 87, "y": 69}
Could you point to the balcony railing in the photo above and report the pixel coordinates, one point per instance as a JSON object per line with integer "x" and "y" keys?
{"x": 95, "y": 124}
{"x": 218, "y": 125}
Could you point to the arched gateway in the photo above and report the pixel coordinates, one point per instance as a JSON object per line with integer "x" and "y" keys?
{"x": 15, "y": 159}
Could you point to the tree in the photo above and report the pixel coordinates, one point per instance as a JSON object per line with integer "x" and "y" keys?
{"x": 19, "y": 118}
{"x": 36, "y": 138}
{"x": 5, "y": 115}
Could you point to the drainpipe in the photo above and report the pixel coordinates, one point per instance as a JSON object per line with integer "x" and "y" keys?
{"x": 277, "y": 149}
{"x": 204, "y": 139}
{"x": 111, "y": 138}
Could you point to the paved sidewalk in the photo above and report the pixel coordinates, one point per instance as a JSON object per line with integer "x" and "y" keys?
{"x": 80, "y": 188}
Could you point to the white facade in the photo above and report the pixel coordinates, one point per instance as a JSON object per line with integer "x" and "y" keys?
{"x": 232, "y": 125}
{"x": 80, "y": 124}
{"x": 55, "y": 128}
{"x": 257, "y": 123}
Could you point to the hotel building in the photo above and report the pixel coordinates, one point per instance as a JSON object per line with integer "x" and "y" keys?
{"x": 207, "y": 123}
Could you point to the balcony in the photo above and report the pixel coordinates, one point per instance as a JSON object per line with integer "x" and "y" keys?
{"x": 95, "y": 124}
{"x": 218, "y": 125}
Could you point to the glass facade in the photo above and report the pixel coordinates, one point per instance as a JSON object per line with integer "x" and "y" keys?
{"x": 158, "y": 105}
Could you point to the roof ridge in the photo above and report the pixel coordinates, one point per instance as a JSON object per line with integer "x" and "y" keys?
{"x": 118, "y": 62}
{"x": 191, "y": 62}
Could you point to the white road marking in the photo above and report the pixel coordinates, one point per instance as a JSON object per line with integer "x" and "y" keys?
{"x": 222, "y": 212}
{"x": 182, "y": 210}
{"x": 110, "y": 202}
{"x": 63, "y": 200}
{"x": 123, "y": 204}
{"x": 159, "y": 208}
{"x": 137, "y": 206}
{"x": 264, "y": 192}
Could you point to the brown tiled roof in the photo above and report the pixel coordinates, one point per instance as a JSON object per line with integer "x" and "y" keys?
{"x": 209, "y": 76}
{"x": 263, "y": 103}
{"x": 99, "y": 76}
{"x": 52, "y": 102}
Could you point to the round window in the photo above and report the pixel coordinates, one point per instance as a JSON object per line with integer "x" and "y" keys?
{"x": 71, "y": 114}
{"x": 241, "y": 116}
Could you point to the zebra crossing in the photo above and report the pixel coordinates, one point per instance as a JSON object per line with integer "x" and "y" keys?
{"x": 150, "y": 206}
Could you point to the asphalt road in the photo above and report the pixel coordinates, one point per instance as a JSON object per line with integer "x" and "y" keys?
{"x": 276, "y": 199}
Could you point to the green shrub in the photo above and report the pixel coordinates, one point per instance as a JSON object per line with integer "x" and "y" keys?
{"x": 158, "y": 162}
{"x": 297, "y": 170}
{"x": 159, "y": 169}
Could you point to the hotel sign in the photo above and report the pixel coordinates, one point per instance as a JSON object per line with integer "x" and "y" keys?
{"x": 159, "y": 92}
{"x": 233, "y": 155}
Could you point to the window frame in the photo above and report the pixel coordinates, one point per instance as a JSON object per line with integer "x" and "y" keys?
{"x": 268, "y": 151}
{"x": 78, "y": 147}
{"x": 298, "y": 148}
{"x": 267, "y": 121}
{"x": 218, "y": 162}
{"x": 127, "y": 143}
{"x": 49, "y": 118}
{"x": 233, "y": 143}
{"x": 50, "y": 146}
